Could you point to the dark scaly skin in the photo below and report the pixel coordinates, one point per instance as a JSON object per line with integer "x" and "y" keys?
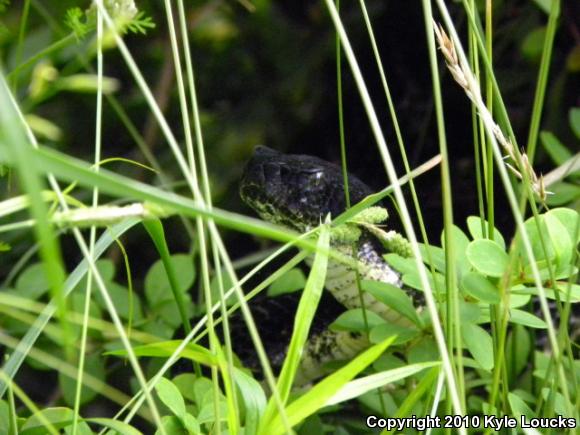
{"x": 298, "y": 191}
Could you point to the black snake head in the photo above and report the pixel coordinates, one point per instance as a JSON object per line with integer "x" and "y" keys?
{"x": 296, "y": 191}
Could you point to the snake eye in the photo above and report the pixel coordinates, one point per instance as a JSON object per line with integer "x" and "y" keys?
{"x": 313, "y": 177}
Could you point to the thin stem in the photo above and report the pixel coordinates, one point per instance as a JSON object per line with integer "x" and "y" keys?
{"x": 20, "y": 43}
{"x": 453, "y": 320}
{"x": 341, "y": 115}
{"x": 58, "y": 45}
{"x": 542, "y": 82}
{"x": 93, "y": 232}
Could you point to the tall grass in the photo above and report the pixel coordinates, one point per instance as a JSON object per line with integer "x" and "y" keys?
{"x": 237, "y": 400}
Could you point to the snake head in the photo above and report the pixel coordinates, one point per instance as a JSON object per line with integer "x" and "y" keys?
{"x": 296, "y": 191}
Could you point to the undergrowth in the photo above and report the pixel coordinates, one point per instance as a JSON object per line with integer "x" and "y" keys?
{"x": 495, "y": 336}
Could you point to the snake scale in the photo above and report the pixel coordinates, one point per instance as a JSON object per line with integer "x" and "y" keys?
{"x": 298, "y": 191}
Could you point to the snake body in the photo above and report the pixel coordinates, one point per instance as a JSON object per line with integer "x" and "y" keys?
{"x": 298, "y": 191}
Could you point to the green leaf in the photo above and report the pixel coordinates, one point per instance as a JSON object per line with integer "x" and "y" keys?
{"x": 156, "y": 231}
{"x": 556, "y": 228}
{"x": 387, "y": 330}
{"x": 533, "y": 230}
{"x": 192, "y": 425}
{"x": 157, "y": 286}
{"x": 555, "y": 149}
{"x": 201, "y": 388}
{"x": 172, "y": 426}
{"x": 423, "y": 350}
{"x": 561, "y": 288}
{"x": 83, "y": 428}
{"x": 185, "y": 382}
{"x": 302, "y": 321}
{"x": 563, "y": 193}
{"x": 140, "y": 23}
{"x": 228, "y": 386}
{"x": 94, "y": 366}
{"x": 393, "y": 297}
{"x": 519, "y": 407}
{"x": 313, "y": 426}
{"x": 413, "y": 280}
{"x": 253, "y": 398}
{"x": 527, "y": 319}
{"x": 106, "y": 269}
{"x": 544, "y": 5}
{"x": 43, "y": 128}
{"x": 479, "y": 344}
{"x": 77, "y": 304}
{"x": 436, "y": 254}
{"x": 517, "y": 301}
{"x": 122, "y": 300}
{"x": 388, "y": 361}
{"x": 401, "y": 264}
{"x": 165, "y": 349}
{"x": 159, "y": 328}
{"x": 574, "y": 116}
{"x": 460, "y": 244}
{"x": 32, "y": 282}
{"x": 474, "y": 226}
{"x": 4, "y": 417}
{"x": 569, "y": 219}
{"x": 291, "y": 281}
{"x": 168, "y": 311}
{"x": 533, "y": 43}
{"x": 36, "y": 424}
{"x": 116, "y": 425}
{"x": 317, "y": 396}
{"x": 86, "y": 83}
{"x": 207, "y": 413}
{"x": 354, "y": 320}
{"x": 469, "y": 311}
{"x": 480, "y": 288}
{"x": 518, "y": 350}
{"x": 560, "y": 240}
{"x": 171, "y": 397}
{"x": 558, "y": 400}
{"x": 487, "y": 257}
{"x": 360, "y": 386}
{"x": 564, "y": 288}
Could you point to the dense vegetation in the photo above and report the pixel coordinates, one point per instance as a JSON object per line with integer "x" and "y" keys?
{"x": 124, "y": 128}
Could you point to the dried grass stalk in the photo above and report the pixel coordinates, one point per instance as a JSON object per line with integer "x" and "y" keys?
{"x": 464, "y": 77}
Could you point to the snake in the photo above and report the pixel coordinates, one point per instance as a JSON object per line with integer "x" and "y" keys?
{"x": 297, "y": 192}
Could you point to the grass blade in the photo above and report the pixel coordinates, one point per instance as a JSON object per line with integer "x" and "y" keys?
{"x": 361, "y": 386}
{"x": 319, "y": 395}
{"x": 302, "y": 322}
